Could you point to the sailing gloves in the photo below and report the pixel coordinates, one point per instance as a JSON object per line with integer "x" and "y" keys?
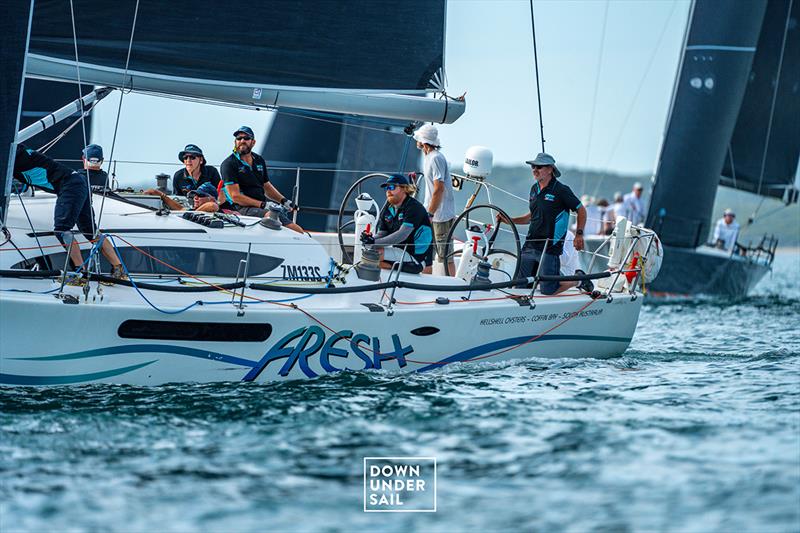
{"x": 288, "y": 204}
{"x": 367, "y": 238}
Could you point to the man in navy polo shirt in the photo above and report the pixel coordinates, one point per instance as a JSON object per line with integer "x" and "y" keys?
{"x": 73, "y": 205}
{"x": 404, "y": 228}
{"x": 550, "y": 202}
{"x": 246, "y": 180}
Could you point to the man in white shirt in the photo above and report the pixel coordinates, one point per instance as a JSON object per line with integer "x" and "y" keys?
{"x": 633, "y": 206}
{"x": 569, "y": 257}
{"x": 618, "y": 206}
{"x": 593, "y": 217}
{"x": 439, "y": 200}
{"x": 726, "y": 231}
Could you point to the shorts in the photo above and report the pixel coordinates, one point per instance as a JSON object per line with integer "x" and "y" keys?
{"x": 73, "y": 206}
{"x": 551, "y": 266}
{"x": 261, "y": 213}
{"x": 440, "y": 232}
{"x": 407, "y": 262}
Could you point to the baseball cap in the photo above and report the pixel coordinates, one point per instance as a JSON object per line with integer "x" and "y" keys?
{"x": 93, "y": 151}
{"x": 205, "y": 189}
{"x": 246, "y": 130}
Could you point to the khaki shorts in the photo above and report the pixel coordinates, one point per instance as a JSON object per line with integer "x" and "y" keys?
{"x": 440, "y": 231}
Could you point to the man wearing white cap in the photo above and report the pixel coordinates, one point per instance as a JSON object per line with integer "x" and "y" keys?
{"x": 633, "y": 206}
{"x": 439, "y": 200}
{"x": 726, "y": 231}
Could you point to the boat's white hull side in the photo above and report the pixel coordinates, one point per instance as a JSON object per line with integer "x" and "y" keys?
{"x": 83, "y": 343}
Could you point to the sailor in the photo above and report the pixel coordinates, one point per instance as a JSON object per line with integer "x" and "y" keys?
{"x": 195, "y": 172}
{"x": 204, "y": 199}
{"x": 619, "y": 202}
{"x": 633, "y": 206}
{"x": 726, "y": 231}
{"x": 246, "y": 181}
{"x": 594, "y": 222}
{"x": 439, "y": 200}
{"x": 92, "y": 158}
{"x": 404, "y": 228}
{"x": 550, "y": 202}
{"x": 73, "y": 205}
{"x": 606, "y": 216}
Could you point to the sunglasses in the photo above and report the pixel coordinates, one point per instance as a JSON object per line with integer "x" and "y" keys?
{"x": 244, "y": 138}
{"x": 390, "y": 187}
{"x": 94, "y": 161}
{"x": 539, "y": 167}
{"x": 190, "y": 157}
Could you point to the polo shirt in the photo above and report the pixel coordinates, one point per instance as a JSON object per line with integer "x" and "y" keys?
{"x": 183, "y": 182}
{"x": 251, "y": 180}
{"x": 409, "y": 213}
{"x": 550, "y": 209}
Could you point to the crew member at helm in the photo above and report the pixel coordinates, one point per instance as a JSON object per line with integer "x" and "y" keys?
{"x": 404, "y": 228}
{"x": 246, "y": 180}
{"x": 550, "y": 202}
{"x": 73, "y": 205}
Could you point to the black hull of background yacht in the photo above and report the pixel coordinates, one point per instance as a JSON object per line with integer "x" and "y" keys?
{"x": 691, "y": 272}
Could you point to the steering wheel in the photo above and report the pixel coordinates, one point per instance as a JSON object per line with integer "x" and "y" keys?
{"x": 354, "y": 190}
{"x": 465, "y": 218}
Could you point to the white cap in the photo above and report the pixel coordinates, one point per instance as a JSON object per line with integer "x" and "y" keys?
{"x": 427, "y": 134}
{"x": 637, "y": 185}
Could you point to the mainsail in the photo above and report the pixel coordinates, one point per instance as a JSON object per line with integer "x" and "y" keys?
{"x": 716, "y": 62}
{"x": 375, "y": 58}
{"x": 765, "y": 148}
{"x": 14, "y": 26}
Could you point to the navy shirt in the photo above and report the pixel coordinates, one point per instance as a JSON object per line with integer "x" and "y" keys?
{"x": 409, "y": 213}
{"x": 550, "y": 209}
{"x": 183, "y": 182}
{"x": 251, "y": 179}
{"x": 97, "y": 178}
{"x": 34, "y": 168}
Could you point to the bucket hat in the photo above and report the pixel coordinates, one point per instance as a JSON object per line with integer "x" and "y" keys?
{"x": 544, "y": 159}
{"x": 190, "y": 149}
{"x": 427, "y": 134}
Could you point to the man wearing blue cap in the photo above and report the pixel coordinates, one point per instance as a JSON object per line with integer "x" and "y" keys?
{"x": 550, "y": 202}
{"x": 404, "y": 228}
{"x": 73, "y": 205}
{"x": 92, "y": 158}
{"x": 246, "y": 180}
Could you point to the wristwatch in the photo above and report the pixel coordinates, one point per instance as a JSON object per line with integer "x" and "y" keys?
{"x": 579, "y": 232}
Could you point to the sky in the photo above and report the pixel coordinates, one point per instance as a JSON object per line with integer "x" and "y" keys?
{"x": 606, "y": 73}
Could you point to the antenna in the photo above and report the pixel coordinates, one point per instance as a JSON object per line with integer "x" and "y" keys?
{"x": 536, "y": 69}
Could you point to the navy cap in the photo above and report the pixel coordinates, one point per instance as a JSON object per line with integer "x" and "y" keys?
{"x": 244, "y": 129}
{"x": 93, "y": 151}
{"x": 396, "y": 179}
{"x": 205, "y": 189}
{"x": 190, "y": 149}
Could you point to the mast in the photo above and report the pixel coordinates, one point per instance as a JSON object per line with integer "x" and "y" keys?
{"x": 711, "y": 82}
{"x": 15, "y": 27}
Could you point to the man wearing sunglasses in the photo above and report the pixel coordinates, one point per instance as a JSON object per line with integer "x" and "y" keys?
{"x": 246, "y": 180}
{"x": 550, "y": 202}
{"x": 404, "y": 229}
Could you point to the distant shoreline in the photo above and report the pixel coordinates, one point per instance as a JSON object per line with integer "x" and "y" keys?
{"x": 788, "y": 250}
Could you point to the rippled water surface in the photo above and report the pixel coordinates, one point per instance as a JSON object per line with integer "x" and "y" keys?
{"x": 695, "y": 428}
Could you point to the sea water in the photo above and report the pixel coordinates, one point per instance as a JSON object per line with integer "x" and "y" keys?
{"x": 695, "y": 428}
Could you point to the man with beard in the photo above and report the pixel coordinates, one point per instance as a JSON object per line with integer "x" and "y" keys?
{"x": 246, "y": 180}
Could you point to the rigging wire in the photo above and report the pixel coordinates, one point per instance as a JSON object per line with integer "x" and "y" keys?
{"x": 119, "y": 112}
{"x": 771, "y": 114}
{"x": 536, "y": 69}
{"x": 594, "y": 98}
{"x": 635, "y": 98}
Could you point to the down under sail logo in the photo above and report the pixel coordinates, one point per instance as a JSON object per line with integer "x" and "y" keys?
{"x": 399, "y": 484}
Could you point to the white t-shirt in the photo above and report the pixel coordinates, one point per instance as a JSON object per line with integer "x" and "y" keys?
{"x": 569, "y": 256}
{"x": 593, "y": 220}
{"x": 436, "y": 168}
{"x": 726, "y": 233}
